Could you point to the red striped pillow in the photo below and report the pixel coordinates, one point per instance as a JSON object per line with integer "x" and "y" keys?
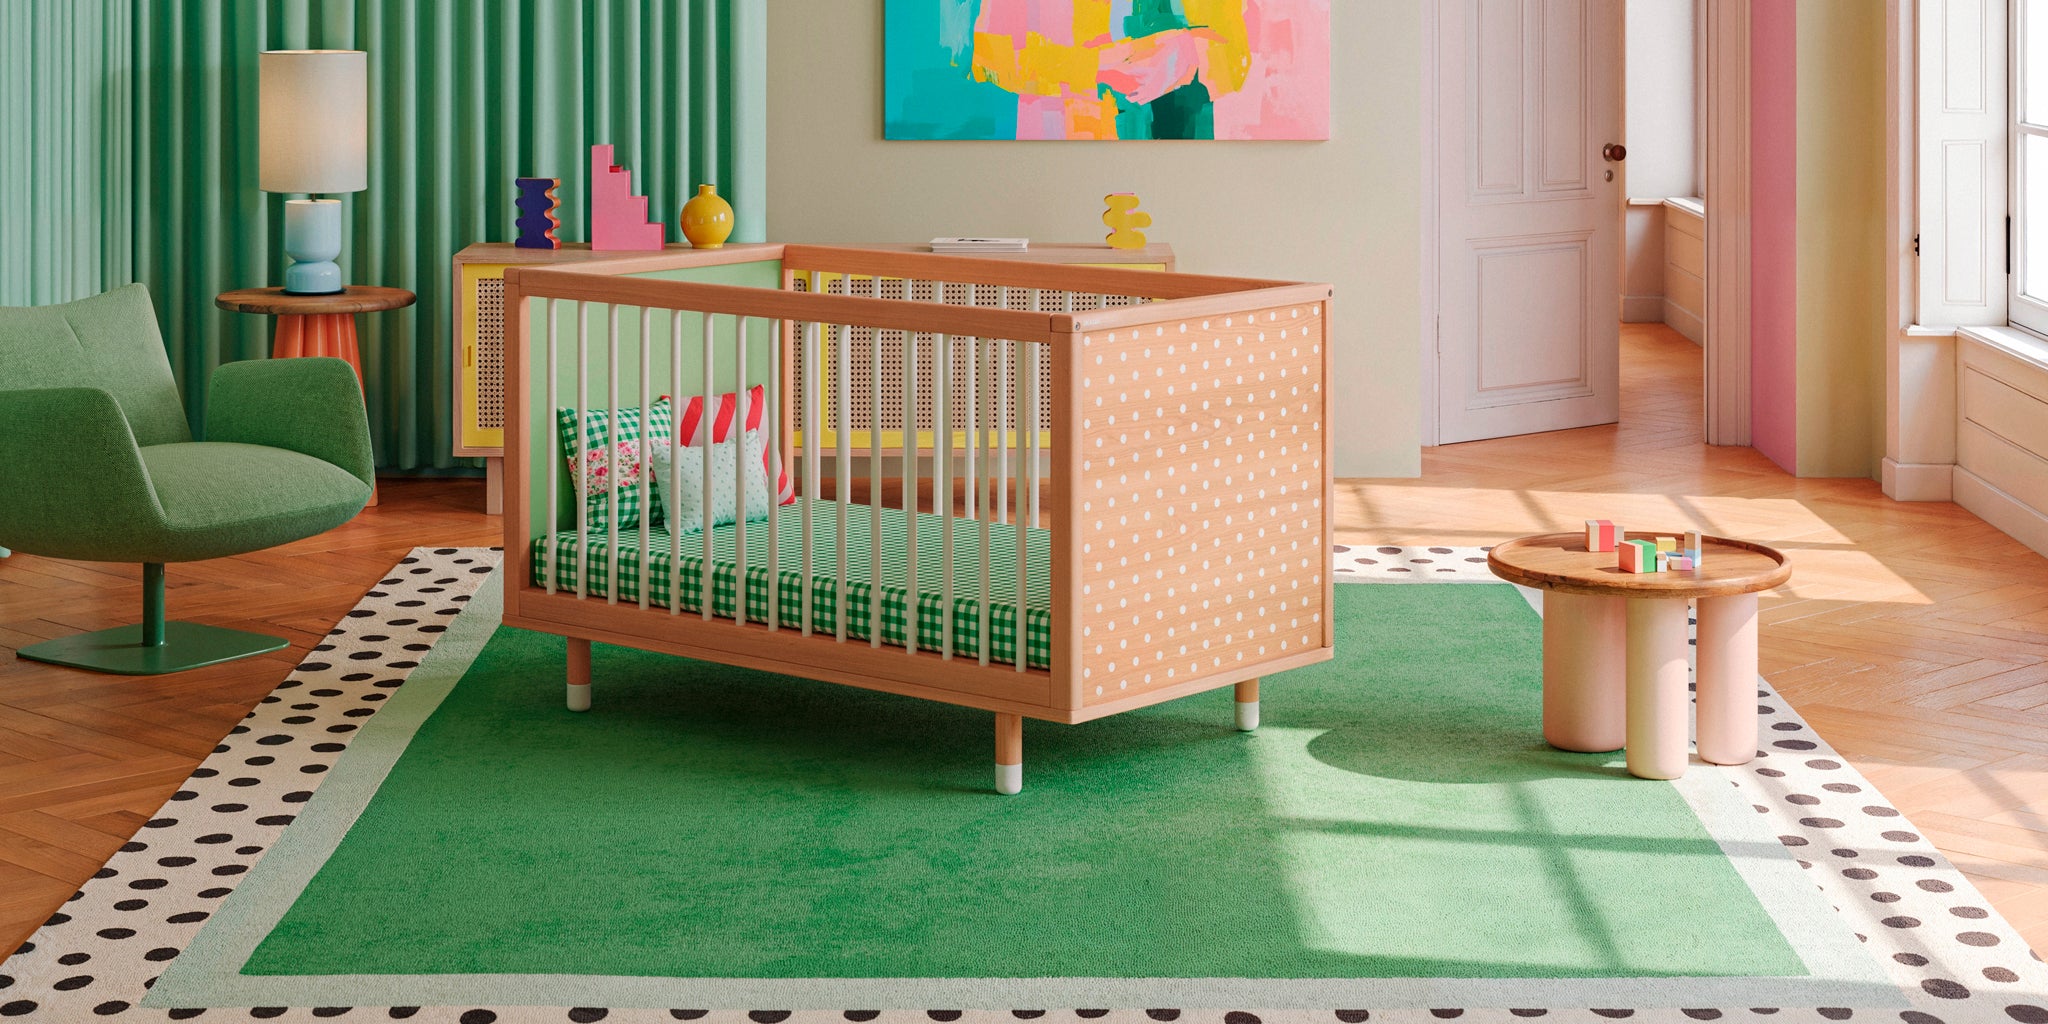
{"x": 721, "y": 431}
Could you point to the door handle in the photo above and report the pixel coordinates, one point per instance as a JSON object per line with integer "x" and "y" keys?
{"x": 1614, "y": 151}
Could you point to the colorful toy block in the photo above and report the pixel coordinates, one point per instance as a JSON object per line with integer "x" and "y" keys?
{"x": 1601, "y": 535}
{"x": 1667, "y": 543}
{"x": 1677, "y": 563}
{"x": 1638, "y": 556}
{"x": 618, "y": 218}
{"x": 1693, "y": 547}
{"x": 537, "y": 221}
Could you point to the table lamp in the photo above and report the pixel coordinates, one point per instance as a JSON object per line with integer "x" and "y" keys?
{"x": 312, "y": 125}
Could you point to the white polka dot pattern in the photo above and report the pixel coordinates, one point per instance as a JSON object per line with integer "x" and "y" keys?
{"x": 1201, "y": 504}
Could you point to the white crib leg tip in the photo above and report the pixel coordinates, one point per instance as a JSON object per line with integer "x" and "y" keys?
{"x": 579, "y": 698}
{"x": 1009, "y": 779}
{"x": 1247, "y": 715}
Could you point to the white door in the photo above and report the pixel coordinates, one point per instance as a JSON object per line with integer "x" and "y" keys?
{"x": 1529, "y": 216}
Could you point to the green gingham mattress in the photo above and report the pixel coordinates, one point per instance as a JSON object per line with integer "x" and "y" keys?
{"x": 654, "y": 567}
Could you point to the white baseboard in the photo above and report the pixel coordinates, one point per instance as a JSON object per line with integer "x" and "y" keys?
{"x": 1684, "y": 321}
{"x": 2018, "y": 519}
{"x": 1918, "y": 481}
{"x": 1642, "y": 309}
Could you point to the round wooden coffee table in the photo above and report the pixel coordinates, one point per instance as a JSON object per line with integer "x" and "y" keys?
{"x": 1614, "y": 647}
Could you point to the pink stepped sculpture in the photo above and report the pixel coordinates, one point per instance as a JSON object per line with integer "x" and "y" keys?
{"x": 618, "y": 218}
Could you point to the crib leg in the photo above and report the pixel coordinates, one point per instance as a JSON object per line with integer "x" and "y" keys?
{"x": 1009, "y": 753}
{"x": 579, "y": 674}
{"x": 1248, "y": 705}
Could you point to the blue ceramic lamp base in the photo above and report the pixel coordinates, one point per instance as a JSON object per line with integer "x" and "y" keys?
{"x": 312, "y": 238}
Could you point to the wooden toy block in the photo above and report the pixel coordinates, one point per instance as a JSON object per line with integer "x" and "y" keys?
{"x": 1667, "y": 543}
{"x": 1638, "y": 556}
{"x": 1693, "y": 547}
{"x": 1124, "y": 220}
{"x": 1601, "y": 535}
{"x": 618, "y": 218}
{"x": 1677, "y": 563}
{"x": 537, "y": 222}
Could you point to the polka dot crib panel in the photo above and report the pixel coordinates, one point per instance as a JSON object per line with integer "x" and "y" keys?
{"x": 1140, "y": 461}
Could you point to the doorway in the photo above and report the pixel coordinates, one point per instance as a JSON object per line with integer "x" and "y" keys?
{"x": 1509, "y": 349}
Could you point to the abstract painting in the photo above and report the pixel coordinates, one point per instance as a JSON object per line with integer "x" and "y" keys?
{"x": 1107, "y": 69}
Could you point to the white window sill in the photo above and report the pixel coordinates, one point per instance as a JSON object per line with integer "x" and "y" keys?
{"x": 2016, "y": 342}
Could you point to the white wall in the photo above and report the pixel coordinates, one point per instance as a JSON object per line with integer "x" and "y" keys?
{"x": 1346, "y": 211}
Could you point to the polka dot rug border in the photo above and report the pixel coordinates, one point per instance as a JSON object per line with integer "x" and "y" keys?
{"x": 1954, "y": 960}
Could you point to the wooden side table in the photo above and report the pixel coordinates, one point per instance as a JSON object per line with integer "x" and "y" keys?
{"x": 317, "y": 325}
{"x": 1614, "y": 647}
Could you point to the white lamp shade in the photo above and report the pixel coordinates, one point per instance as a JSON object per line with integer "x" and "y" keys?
{"x": 313, "y": 120}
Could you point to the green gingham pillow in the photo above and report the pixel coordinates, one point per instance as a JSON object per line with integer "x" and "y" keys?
{"x": 595, "y": 483}
{"x": 688, "y": 474}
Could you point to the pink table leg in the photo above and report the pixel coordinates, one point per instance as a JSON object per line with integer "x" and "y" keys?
{"x": 1727, "y": 679}
{"x": 1583, "y": 640}
{"x": 1657, "y": 703}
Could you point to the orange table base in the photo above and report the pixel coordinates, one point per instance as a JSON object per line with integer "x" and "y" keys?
{"x": 321, "y": 334}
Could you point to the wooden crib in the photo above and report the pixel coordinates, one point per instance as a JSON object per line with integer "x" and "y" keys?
{"x": 1128, "y": 475}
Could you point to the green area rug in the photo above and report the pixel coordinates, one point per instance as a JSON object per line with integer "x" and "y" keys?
{"x": 1396, "y": 815}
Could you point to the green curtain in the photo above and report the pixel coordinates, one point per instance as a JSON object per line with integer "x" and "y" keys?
{"x": 465, "y": 96}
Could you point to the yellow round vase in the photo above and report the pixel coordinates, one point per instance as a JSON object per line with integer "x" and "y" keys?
{"x": 707, "y": 219}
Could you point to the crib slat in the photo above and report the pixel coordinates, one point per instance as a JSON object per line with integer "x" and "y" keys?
{"x": 910, "y": 450}
{"x": 675, "y": 459}
{"x": 811, "y": 396}
{"x": 987, "y": 554}
{"x": 582, "y": 469}
{"x": 646, "y": 461}
{"x": 611, "y": 456}
{"x": 874, "y": 473}
{"x": 738, "y": 437}
{"x": 772, "y": 416}
{"x": 1023, "y": 410}
{"x": 705, "y": 423}
{"x": 843, "y": 465}
{"x": 971, "y": 441}
{"x": 554, "y": 469}
{"x": 942, "y": 490}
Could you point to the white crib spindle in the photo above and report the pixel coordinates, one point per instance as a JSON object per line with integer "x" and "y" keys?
{"x": 875, "y": 473}
{"x": 581, "y": 471}
{"x": 705, "y": 423}
{"x": 738, "y": 437}
{"x": 911, "y": 447}
{"x": 843, "y": 465}
{"x": 970, "y": 442}
{"x": 942, "y": 490}
{"x": 771, "y": 417}
{"x": 986, "y": 552}
{"x": 611, "y": 457}
{"x": 811, "y": 395}
{"x": 554, "y": 470}
{"x": 1025, "y": 407}
{"x": 644, "y": 465}
{"x": 675, "y": 459}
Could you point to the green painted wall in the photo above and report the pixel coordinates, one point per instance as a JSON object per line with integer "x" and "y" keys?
{"x": 1841, "y": 330}
{"x": 465, "y": 96}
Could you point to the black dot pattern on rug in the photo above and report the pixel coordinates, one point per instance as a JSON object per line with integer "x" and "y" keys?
{"x": 218, "y": 824}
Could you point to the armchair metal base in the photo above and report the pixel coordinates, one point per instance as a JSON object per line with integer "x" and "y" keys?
{"x": 151, "y": 647}
{"x": 120, "y": 650}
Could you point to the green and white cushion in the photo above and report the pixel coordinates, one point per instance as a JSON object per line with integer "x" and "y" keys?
{"x": 674, "y": 564}
{"x": 686, "y": 473}
{"x": 600, "y": 478}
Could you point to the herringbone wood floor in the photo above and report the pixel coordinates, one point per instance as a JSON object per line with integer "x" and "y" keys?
{"x": 1913, "y": 636}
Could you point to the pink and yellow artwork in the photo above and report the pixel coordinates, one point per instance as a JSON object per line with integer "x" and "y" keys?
{"x": 1107, "y": 69}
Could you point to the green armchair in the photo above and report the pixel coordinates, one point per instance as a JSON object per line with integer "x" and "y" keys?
{"x": 98, "y": 464}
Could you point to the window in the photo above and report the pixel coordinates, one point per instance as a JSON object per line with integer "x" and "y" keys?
{"x": 2029, "y": 181}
